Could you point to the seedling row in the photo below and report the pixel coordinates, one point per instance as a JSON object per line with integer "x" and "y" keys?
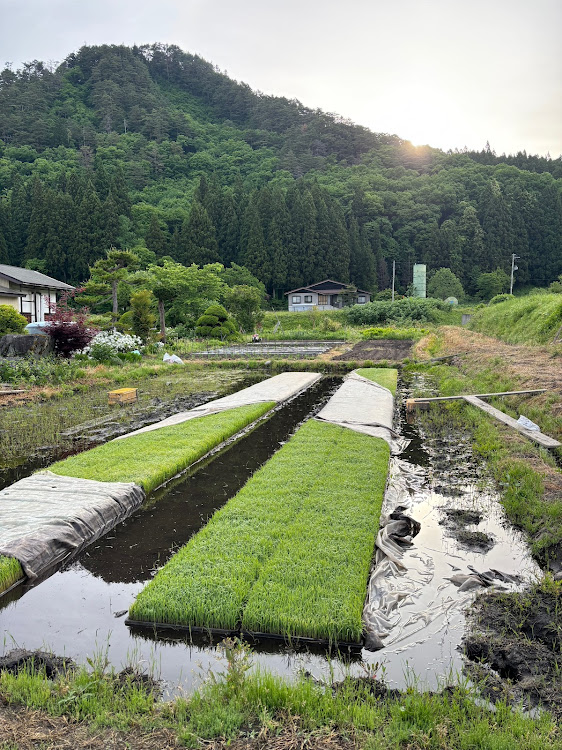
{"x": 290, "y": 554}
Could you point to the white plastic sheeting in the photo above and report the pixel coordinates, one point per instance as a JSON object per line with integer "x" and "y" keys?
{"x": 278, "y": 389}
{"x": 366, "y": 407}
{"x": 421, "y": 585}
{"x": 46, "y": 518}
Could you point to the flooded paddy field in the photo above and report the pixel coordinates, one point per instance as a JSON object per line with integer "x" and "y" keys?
{"x": 81, "y": 609}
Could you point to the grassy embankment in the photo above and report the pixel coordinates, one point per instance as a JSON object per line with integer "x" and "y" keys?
{"x": 534, "y": 319}
{"x": 260, "y": 709}
{"x": 521, "y": 469}
{"x": 290, "y": 553}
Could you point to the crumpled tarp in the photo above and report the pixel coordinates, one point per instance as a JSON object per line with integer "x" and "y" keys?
{"x": 47, "y": 518}
{"x": 278, "y": 389}
{"x": 366, "y": 407}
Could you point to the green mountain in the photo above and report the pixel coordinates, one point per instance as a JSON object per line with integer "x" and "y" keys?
{"x": 155, "y": 149}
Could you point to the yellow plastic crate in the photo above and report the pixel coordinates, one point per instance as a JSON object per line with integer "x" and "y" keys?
{"x": 122, "y": 396}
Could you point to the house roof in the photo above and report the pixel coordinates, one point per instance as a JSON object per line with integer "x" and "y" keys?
{"x": 328, "y": 286}
{"x": 31, "y": 278}
{"x": 4, "y": 292}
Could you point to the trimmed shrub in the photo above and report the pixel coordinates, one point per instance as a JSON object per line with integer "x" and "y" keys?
{"x": 215, "y": 323}
{"x": 10, "y": 320}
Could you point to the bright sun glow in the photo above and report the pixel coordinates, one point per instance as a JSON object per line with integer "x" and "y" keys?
{"x": 425, "y": 113}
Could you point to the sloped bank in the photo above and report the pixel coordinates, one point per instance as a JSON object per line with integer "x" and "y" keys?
{"x": 46, "y": 518}
{"x": 290, "y": 554}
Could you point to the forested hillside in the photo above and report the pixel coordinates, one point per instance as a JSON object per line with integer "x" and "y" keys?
{"x": 150, "y": 147}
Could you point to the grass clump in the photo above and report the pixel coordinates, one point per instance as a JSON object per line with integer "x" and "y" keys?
{"x": 10, "y": 572}
{"x": 301, "y": 532}
{"x": 385, "y": 376}
{"x": 151, "y": 458}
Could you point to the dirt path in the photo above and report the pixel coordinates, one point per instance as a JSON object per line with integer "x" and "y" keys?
{"x": 537, "y": 366}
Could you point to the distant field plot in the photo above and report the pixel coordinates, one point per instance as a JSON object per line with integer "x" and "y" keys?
{"x": 151, "y": 458}
{"x": 290, "y": 553}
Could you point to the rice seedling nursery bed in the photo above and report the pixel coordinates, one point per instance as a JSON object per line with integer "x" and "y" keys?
{"x": 11, "y": 573}
{"x": 288, "y": 555}
{"x": 151, "y": 458}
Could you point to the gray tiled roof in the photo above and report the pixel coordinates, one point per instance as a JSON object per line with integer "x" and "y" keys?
{"x": 31, "y": 278}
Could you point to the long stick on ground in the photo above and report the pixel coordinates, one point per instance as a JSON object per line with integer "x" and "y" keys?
{"x": 430, "y": 399}
{"x": 535, "y": 435}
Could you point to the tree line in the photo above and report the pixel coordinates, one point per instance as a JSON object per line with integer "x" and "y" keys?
{"x": 155, "y": 150}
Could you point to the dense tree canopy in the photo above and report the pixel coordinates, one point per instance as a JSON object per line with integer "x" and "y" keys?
{"x": 153, "y": 150}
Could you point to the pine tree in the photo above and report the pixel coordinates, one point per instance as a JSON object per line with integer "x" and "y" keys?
{"x": 310, "y": 251}
{"x": 495, "y": 217}
{"x": 278, "y": 258}
{"x": 198, "y": 238}
{"x": 255, "y": 257}
{"x": 20, "y": 215}
{"x": 155, "y": 238}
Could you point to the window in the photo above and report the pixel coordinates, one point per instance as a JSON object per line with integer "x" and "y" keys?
{"x": 323, "y": 299}
{"x": 361, "y": 299}
{"x": 296, "y": 299}
{"x": 308, "y": 297}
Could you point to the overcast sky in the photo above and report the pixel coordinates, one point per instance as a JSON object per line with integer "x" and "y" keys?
{"x": 445, "y": 72}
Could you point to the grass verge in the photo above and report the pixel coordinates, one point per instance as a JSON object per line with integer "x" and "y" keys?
{"x": 301, "y": 531}
{"x": 153, "y": 457}
{"x": 261, "y": 710}
{"x": 534, "y": 319}
{"x": 10, "y": 572}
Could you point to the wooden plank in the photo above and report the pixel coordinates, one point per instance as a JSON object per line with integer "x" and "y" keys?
{"x": 5, "y": 392}
{"x": 535, "y": 435}
{"x": 430, "y": 399}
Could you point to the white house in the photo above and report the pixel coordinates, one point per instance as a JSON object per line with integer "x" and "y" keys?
{"x": 29, "y": 292}
{"x": 325, "y": 295}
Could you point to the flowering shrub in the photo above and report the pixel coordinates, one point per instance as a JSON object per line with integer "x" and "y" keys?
{"x": 108, "y": 344}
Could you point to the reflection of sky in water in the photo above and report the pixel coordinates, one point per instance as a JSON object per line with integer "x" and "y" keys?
{"x": 73, "y": 612}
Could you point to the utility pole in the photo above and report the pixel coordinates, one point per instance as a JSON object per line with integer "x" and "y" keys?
{"x": 513, "y": 268}
{"x": 393, "y": 277}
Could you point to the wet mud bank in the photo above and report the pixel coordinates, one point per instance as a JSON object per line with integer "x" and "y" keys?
{"x": 515, "y": 646}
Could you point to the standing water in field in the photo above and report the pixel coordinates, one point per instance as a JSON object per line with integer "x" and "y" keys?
{"x": 82, "y": 609}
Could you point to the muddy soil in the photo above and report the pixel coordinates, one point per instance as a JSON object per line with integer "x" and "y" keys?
{"x": 515, "y": 644}
{"x": 378, "y": 350}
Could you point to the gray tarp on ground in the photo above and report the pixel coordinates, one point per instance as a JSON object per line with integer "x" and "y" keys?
{"x": 46, "y": 518}
{"x": 278, "y": 389}
{"x": 363, "y": 406}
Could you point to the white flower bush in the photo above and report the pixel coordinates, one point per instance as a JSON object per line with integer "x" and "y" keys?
{"x": 117, "y": 342}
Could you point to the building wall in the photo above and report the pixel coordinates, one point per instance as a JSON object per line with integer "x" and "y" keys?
{"x": 12, "y": 301}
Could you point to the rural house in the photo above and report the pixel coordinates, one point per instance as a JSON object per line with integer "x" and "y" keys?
{"x": 325, "y": 295}
{"x": 29, "y": 292}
